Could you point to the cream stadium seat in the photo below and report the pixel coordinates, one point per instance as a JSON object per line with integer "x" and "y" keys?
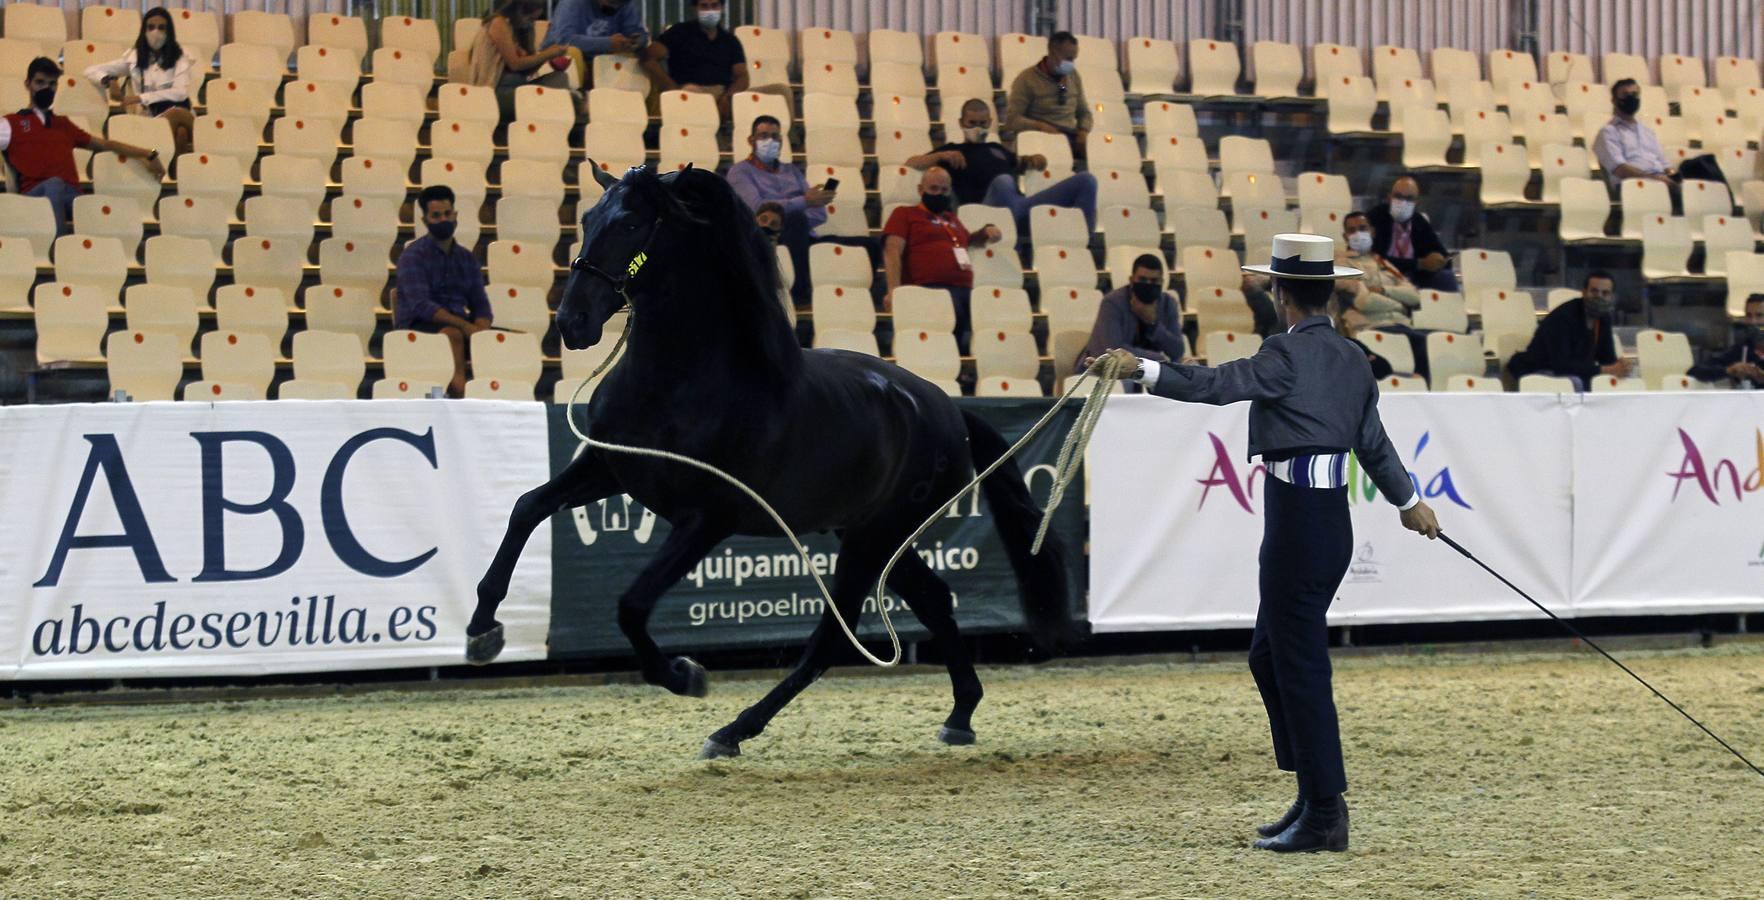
{"x": 509, "y": 357}
{"x": 1724, "y": 234}
{"x": 1618, "y": 66}
{"x": 44, "y": 27}
{"x": 188, "y": 263}
{"x": 1542, "y": 130}
{"x": 471, "y": 103}
{"x": 923, "y": 308}
{"x": 897, "y": 47}
{"x": 418, "y": 36}
{"x": 161, "y": 309}
{"x": 1704, "y": 198}
{"x": 1643, "y": 198}
{"x": 685, "y": 108}
{"x": 236, "y": 358}
{"x": 110, "y": 217}
{"x": 1062, "y": 266}
{"x": 1220, "y": 309}
{"x": 893, "y": 78}
{"x": 520, "y": 307}
{"x": 1680, "y": 383}
{"x": 1003, "y": 386}
{"x": 406, "y": 389}
{"x": 824, "y": 45}
{"x": 1279, "y": 68}
{"x": 355, "y": 262}
{"x": 839, "y": 264}
{"x": 1330, "y": 62}
{"x": 417, "y": 358}
{"x": 1406, "y": 94}
{"x": 400, "y": 66}
{"x": 493, "y": 388}
{"x": 1451, "y": 354}
{"x": 376, "y": 179}
{"x": 96, "y": 262}
{"x": 1319, "y": 191}
{"x": 1208, "y": 267}
{"x": 1152, "y": 67}
{"x": 1662, "y": 354}
{"x": 1427, "y": 134}
{"x": 247, "y": 61}
{"x": 388, "y": 102}
{"x": 1392, "y": 348}
{"x": 1472, "y": 384}
{"x": 1213, "y": 68}
{"x": 1259, "y": 227}
{"x": 1666, "y": 247}
{"x": 1001, "y": 309}
{"x": 327, "y": 366}
{"x": 1221, "y": 347}
{"x": 18, "y": 272}
{"x": 1483, "y": 269}
{"x": 1352, "y": 101}
{"x": 529, "y": 220}
{"x": 1194, "y": 226}
{"x": 300, "y": 177}
{"x": 1679, "y": 74}
{"x": 929, "y": 354}
{"x": 282, "y": 218}
{"x": 839, "y": 307}
{"x": 1604, "y": 384}
{"x": 1484, "y": 127}
{"x": 695, "y": 145}
{"x": 1245, "y": 154}
{"x": 1545, "y": 384}
{"x": 103, "y": 29}
{"x": 346, "y": 310}
{"x": 1452, "y": 66}
{"x": 1509, "y": 69}
{"x": 391, "y": 141}
{"x": 1565, "y": 68}
{"x": 214, "y": 177}
{"x": 1586, "y": 206}
{"x": 1393, "y": 64}
{"x": 76, "y": 98}
{"x": 1053, "y": 146}
{"x": 1174, "y": 155}
{"x": 462, "y": 142}
{"x": 1251, "y": 191}
{"x": 1527, "y": 99}
{"x": 1561, "y": 161}
{"x": 1131, "y": 226}
{"x": 1169, "y": 119}
{"x": 1441, "y": 311}
{"x": 1735, "y": 76}
{"x": 1507, "y": 312}
{"x": 1057, "y": 226}
{"x": 1016, "y": 52}
{"x": 897, "y": 185}
{"x": 145, "y": 366}
{"x": 248, "y": 308}
{"x": 845, "y": 339}
{"x": 334, "y": 66}
{"x": 514, "y": 262}
{"x": 31, "y": 219}
{"x": 240, "y": 108}
{"x": 273, "y": 30}
{"x": 534, "y": 103}
{"x": 1402, "y": 384}
{"x": 278, "y": 265}
{"x": 896, "y": 145}
{"x": 837, "y": 79}
{"x": 615, "y": 147}
{"x": 320, "y": 107}
{"x": 365, "y": 218}
{"x": 129, "y": 178}
{"x": 70, "y": 321}
{"x": 1071, "y": 309}
{"x": 1505, "y": 174}
{"x": 960, "y": 48}
{"x": 999, "y": 353}
{"x": 996, "y": 265}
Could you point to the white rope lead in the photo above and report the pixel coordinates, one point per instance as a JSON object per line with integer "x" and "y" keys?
{"x": 1106, "y": 371}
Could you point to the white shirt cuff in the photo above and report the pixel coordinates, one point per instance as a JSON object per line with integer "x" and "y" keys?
{"x": 1414, "y": 498}
{"x": 1148, "y": 373}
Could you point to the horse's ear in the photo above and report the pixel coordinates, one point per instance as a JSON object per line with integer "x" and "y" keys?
{"x": 601, "y": 176}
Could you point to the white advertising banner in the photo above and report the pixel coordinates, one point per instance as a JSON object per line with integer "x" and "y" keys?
{"x": 1670, "y": 514}
{"x": 1176, "y": 514}
{"x": 174, "y": 539}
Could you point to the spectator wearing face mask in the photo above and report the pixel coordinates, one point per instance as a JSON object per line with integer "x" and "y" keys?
{"x": 156, "y": 72}
{"x": 1742, "y": 363}
{"x": 440, "y": 287}
{"x": 1380, "y": 299}
{"x": 503, "y": 55}
{"x": 985, "y": 171}
{"x": 699, "y": 56}
{"x": 598, "y": 26}
{"x": 1140, "y": 317}
{"x": 1625, "y": 147}
{"x": 39, "y": 145}
{"x": 1575, "y": 341}
{"x": 926, "y": 245}
{"x": 1406, "y": 240}
{"x": 762, "y": 177}
{"x": 1049, "y": 96}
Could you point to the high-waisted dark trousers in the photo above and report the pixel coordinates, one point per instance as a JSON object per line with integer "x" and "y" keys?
{"x": 1307, "y": 543}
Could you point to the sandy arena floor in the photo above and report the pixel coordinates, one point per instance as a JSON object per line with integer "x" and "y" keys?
{"x": 1473, "y": 776}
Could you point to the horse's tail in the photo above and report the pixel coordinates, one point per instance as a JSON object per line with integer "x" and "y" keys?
{"x": 1041, "y": 577}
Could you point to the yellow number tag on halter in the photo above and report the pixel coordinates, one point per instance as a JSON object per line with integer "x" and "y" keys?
{"x": 636, "y": 264}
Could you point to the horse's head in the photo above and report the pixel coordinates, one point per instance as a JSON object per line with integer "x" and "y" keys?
{"x": 638, "y": 227}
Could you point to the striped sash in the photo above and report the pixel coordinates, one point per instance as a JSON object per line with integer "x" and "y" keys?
{"x": 1322, "y": 470}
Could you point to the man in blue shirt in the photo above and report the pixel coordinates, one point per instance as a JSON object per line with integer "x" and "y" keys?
{"x": 440, "y": 287}
{"x": 598, "y": 26}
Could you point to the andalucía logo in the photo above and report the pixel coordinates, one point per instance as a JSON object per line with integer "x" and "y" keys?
{"x": 1710, "y": 479}
{"x": 1224, "y": 475}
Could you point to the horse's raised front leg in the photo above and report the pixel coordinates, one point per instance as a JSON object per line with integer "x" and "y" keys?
{"x": 688, "y": 543}
{"x": 584, "y": 480}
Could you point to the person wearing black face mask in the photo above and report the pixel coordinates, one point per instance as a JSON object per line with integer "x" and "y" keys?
{"x": 1626, "y": 147}
{"x": 39, "y": 145}
{"x": 439, "y": 287}
{"x": 1139, "y": 316}
{"x": 1576, "y": 340}
{"x": 927, "y": 246}
{"x": 1742, "y": 363}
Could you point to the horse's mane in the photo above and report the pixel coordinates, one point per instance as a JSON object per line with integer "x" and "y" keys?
{"x": 733, "y": 261}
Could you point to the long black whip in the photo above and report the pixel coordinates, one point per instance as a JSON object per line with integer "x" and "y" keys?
{"x": 1589, "y": 642}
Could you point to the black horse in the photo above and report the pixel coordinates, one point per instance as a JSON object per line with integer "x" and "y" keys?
{"x": 834, "y": 440}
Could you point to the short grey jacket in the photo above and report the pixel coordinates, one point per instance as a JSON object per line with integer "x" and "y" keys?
{"x": 1310, "y": 391}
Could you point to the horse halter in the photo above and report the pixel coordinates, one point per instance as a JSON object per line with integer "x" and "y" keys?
{"x": 620, "y": 283}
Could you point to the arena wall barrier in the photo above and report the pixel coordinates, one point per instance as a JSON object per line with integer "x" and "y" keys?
{"x": 180, "y": 539}
{"x": 1596, "y": 504}
{"x": 752, "y": 592}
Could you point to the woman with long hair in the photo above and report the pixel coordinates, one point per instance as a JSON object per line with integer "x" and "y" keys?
{"x": 503, "y": 56}
{"x": 155, "y": 76}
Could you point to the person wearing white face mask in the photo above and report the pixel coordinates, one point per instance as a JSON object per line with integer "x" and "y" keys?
{"x": 985, "y": 171}
{"x": 153, "y": 77}
{"x": 1407, "y": 240}
{"x": 699, "y": 56}
{"x": 1379, "y": 297}
{"x": 763, "y": 177}
{"x": 1049, "y": 96}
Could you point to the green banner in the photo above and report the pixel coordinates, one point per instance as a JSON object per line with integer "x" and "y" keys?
{"x": 754, "y": 592}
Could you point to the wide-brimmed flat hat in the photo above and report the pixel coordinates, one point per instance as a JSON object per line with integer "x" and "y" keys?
{"x": 1304, "y": 256}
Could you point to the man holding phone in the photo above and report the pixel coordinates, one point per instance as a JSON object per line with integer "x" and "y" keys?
{"x": 763, "y": 177}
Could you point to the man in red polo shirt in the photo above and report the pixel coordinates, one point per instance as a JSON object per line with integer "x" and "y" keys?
{"x": 926, "y": 245}
{"x": 39, "y": 146}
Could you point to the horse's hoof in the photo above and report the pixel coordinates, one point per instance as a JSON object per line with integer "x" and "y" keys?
{"x": 690, "y": 679}
{"x": 715, "y": 749}
{"x": 955, "y": 737}
{"x": 482, "y": 648}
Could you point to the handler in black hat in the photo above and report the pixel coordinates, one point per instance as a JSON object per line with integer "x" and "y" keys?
{"x": 1313, "y": 399}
